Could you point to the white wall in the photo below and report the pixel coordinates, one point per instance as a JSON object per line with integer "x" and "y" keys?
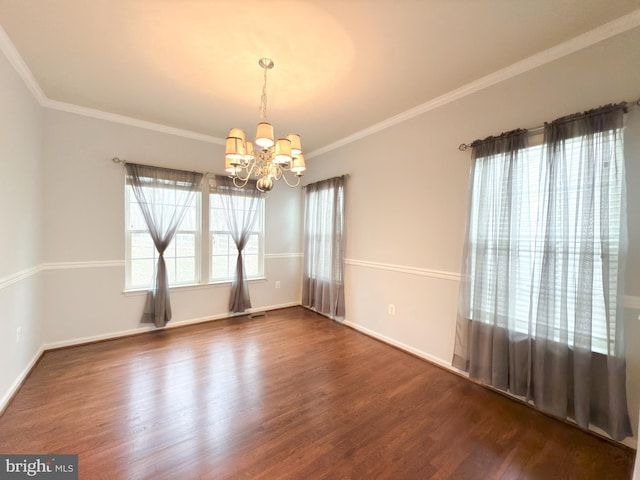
{"x": 84, "y": 228}
{"x": 406, "y": 210}
{"x": 21, "y": 182}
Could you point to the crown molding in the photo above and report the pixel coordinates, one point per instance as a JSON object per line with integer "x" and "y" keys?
{"x": 133, "y": 122}
{"x": 598, "y": 34}
{"x": 21, "y": 68}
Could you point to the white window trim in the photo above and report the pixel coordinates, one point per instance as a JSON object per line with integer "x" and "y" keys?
{"x": 128, "y": 233}
{"x": 261, "y": 243}
{"x": 191, "y": 287}
{"x": 202, "y": 253}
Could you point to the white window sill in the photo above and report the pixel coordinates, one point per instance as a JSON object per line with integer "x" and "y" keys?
{"x": 192, "y": 286}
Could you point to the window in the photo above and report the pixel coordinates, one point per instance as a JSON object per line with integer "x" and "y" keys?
{"x": 324, "y": 245}
{"x": 181, "y": 256}
{"x": 541, "y": 300}
{"x": 528, "y": 239}
{"x": 324, "y": 227}
{"x": 222, "y": 247}
{"x": 189, "y": 259}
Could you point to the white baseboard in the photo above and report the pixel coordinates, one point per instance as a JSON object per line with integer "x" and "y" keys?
{"x": 148, "y": 327}
{"x": 405, "y": 347}
{"x": 15, "y": 386}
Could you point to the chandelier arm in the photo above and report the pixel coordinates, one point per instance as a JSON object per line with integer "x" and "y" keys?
{"x": 239, "y": 177}
{"x": 278, "y": 171}
{"x": 284, "y": 177}
{"x": 243, "y": 184}
{"x": 249, "y": 169}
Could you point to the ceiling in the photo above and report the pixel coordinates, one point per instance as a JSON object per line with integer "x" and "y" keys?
{"x": 341, "y": 66}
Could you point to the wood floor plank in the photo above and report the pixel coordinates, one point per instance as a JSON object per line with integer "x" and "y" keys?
{"x": 288, "y": 396}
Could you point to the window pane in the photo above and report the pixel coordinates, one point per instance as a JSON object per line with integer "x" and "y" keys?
{"x": 252, "y": 247}
{"x": 185, "y": 268}
{"x": 216, "y": 201}
{"x": 218, "y": 219}
{"x": 185, "y": 244}
{"x": 170, "y": 252}
{"x": 219, "y": 267}
{"x": 222, "y": 244}
{"x": 189, "y": 222}
{"x": 142, "y": 272}
{"x": 136, "y": 220}
{"x": 142, "y": 246}
{"x": 251, "y": 265}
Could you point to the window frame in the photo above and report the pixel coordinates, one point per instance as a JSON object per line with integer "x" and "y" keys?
{"x": 203, "y": 250}
{"x": 261, "y": 242}
{"x": 130, "y": 200}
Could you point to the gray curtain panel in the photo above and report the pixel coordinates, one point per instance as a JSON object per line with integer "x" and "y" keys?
{"x": 324, "y": 245}
{"x": 241, "y": 211}
{"x": 499, "y": 164}
{"x": 163, "y": 196}
{"x": 541, "y": 302}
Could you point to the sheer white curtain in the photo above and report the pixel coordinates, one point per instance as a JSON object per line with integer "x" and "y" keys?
{"x": 163, "y": 196}
{"x": 324, "y": 243}
{"x": 241, "y": 211}
{"x": 496, "y": 275}
{"x": 540, "y": 311}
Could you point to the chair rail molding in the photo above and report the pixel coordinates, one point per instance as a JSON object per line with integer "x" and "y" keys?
{"x": 423, "y": 272}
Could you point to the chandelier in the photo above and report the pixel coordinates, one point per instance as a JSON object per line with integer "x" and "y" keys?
{"x": 270, "y": 160}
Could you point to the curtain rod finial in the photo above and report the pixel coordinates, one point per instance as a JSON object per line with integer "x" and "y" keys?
{"x": 117, "y": 160}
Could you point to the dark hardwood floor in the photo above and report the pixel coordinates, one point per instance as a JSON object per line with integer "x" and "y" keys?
{"x": 289, "y": 396}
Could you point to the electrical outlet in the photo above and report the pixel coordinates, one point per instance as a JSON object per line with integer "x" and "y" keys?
{"x": 392, "y": 309}
{"x": 18, "y": 334}
{"x": 277, "y": 283}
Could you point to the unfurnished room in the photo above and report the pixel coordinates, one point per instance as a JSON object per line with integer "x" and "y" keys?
{"x": 319, "y": 239}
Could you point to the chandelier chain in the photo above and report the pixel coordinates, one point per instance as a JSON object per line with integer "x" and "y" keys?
{"x": 263, "y": 99}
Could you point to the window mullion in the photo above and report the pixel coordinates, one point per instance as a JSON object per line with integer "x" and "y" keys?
{"x": 202, "y": 245}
